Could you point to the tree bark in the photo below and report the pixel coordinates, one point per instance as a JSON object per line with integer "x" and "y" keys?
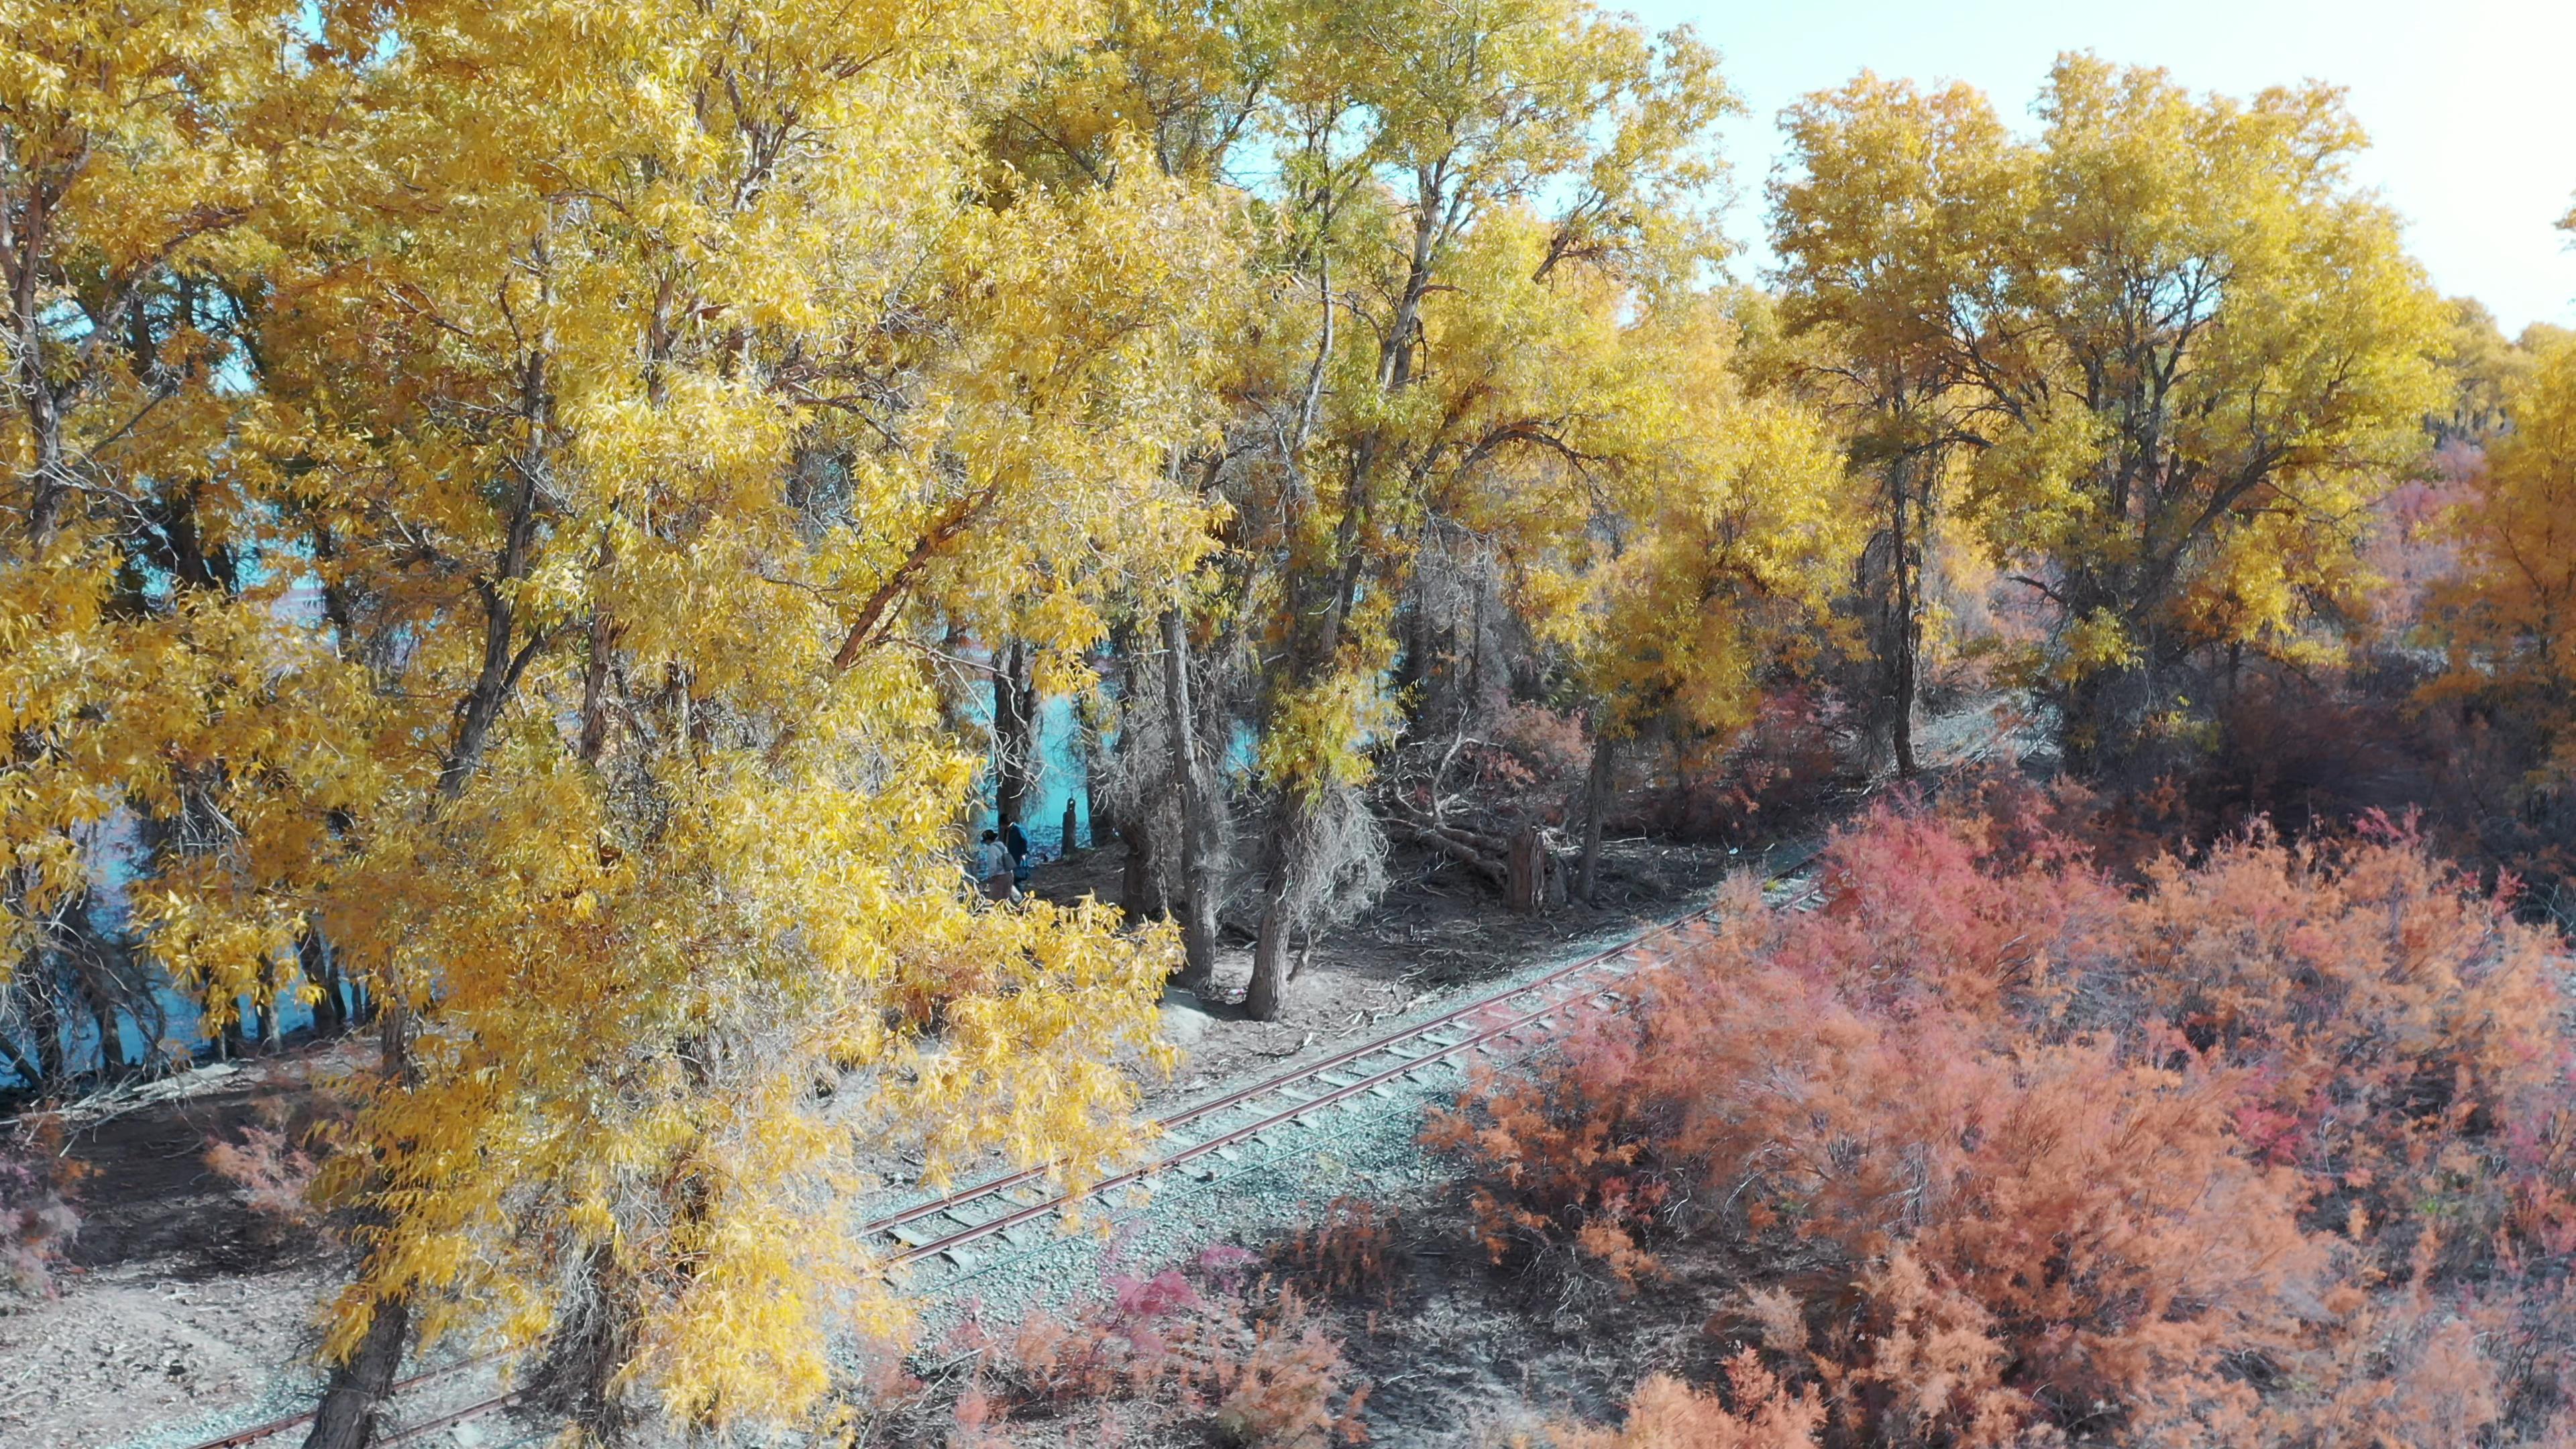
{"x": 1265, "y": 997}
{"x": 1596, "y": 812}
{"x": 576, "y": 1374}
{"x": 313, "y": 955}
{"x": 1014, "y": 730}
{"x": 1198, "y": 884}
{"x": 1527, "y": 870}
{"x": 111, "y": 1044}
{"x": 359, "y": 1384}
{"x": 1907, "y": 626}
{"x": 1137, "y": 895}
{"x": 353, "y": 1397}
{"x": 594, "y": 684}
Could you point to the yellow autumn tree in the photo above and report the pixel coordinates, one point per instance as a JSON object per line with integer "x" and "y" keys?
{"x": 1468, "y": 200}
{"x": 657, "y": 398}
{"x": 1690, "y": 551}
{"x": 1888, "y": 204}
{"x": 2193, "y": 351}
{"x": 1485, "y": 246}
{"x": 154, "y": 689}
{"x": 2509, "y": 617}
{"x": 497, "y": 484}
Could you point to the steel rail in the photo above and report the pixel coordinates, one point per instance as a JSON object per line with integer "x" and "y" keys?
{"x": 1024, "y": 1214}
{"x": 995, "y": 1187}
{"x": 1336, "y": 1093}
{"x": 1295, "y": 1111}
{"x": 273, "y": 1427}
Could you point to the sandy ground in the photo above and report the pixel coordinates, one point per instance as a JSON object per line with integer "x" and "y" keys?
{"x": 177, "y": 1298}
{"x": 1434, "y": 933}
{"x": 181, "y": 1303}
{"x": 182, "y": 1306}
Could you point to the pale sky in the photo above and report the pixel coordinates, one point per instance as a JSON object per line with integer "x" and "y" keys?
{"x": 2470, "y": 104}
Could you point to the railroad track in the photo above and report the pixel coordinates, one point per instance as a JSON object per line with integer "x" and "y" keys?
{"x": 946, "y": 1238}
{"x": 945, "y": 1235}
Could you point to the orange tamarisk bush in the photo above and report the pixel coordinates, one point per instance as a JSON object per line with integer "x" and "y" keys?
{"x": 2002, "y": 1151}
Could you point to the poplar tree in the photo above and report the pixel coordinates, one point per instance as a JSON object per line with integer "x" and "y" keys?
{"x": 2192, "y": 352}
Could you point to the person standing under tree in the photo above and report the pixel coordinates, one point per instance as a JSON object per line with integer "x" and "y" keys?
{"x": 994, "y": 869}
{"x": 1016, "y": 841}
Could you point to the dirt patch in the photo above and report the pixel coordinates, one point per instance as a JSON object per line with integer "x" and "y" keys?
{"x": 177, "y": 1299}
{"x": 1436, "y": 932}
{"x": 118, "y": 1354}
{"x": 1458, "y": 1351}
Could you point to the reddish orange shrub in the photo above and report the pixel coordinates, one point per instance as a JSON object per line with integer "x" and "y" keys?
{"x": 1352, "y": 1254}
{"x": 273, "y": 1164}
{"x": 1244, "y": 1361}
{"x": 2000, "y": 1150}
{"x": 1665, "y": 1414}
{"x": 37, "y": 1223}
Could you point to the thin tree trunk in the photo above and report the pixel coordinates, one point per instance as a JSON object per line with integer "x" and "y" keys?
{"x": 331, "y": 1013}
{"x": 595, "y": 680}
{"x": 1198, "y": 884}
{"x": 1265, "y": 998}
{"x": 360, "y": 1384}
{"x": 1596, "y": 812}
{"x": 1908, "y": 623}
{"x": 1136, "y": 893}
{"x": 355, "y": 1392}
{"x": 1014, "y": 730}
{"x": 353, "y": 1398}
{"x": 1525, "y": 871}
{"x": 111, "y": 1042}
{"x": 272, "y": 1015}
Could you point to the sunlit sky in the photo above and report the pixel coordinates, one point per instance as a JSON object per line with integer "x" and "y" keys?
{"x": 2471, "y": 104}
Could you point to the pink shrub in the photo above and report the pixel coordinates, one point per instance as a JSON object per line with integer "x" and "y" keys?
{"x": 37, "y": 1223}
{"x": 2001, "y": 1150}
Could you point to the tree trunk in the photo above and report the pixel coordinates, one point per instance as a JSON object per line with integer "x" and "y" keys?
{"x": 1137, "y": 895}
{"x": 1071, "y": 833}
{"x": 1526, "y": 869}
{"x": 1908, "y": 624}
{"x": 1596, "y": 812}
{"x": 353, "y": 1397}
{"x": 1198, "y": 884}
{"x": 1265, "y": 997}
{"x": 347, "y": 1418}
{"x": 44, "y": 1022}
{"x": 313, "y": 954}
{"x": 1014, "y": 731}
{"x": 576, "y": 1372}
{"x": 355, "y": 1393}
{"x": 111, "y": 1043}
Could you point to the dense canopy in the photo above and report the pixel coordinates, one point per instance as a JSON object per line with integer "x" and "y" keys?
{"x": 543, "y": 531}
